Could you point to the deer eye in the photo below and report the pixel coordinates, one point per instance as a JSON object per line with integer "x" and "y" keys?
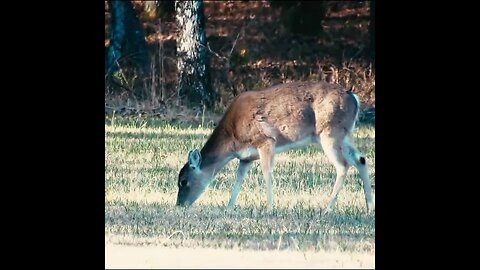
{"x": 183, "y": 183}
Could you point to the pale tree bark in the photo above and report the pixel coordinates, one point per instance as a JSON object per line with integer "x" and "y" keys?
{"x": 194, "y": 82}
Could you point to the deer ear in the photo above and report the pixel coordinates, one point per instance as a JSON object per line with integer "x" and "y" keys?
{"x": 194, "y": 159}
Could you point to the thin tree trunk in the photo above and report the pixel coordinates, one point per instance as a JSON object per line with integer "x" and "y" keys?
{"x": 192, "y": 55}
{"x": 127, "y": 39}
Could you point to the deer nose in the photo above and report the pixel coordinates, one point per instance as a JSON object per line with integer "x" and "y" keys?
{"x": 182, "y": 203}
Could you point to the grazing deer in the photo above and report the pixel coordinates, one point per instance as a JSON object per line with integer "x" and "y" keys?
{"x": 260, "y": 124}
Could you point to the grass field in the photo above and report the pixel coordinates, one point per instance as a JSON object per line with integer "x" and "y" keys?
{"x": 142, "y": 161}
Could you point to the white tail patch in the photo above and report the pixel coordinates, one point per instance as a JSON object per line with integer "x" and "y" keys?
{"x": 350, "y": 153}
{"x": 357, "y": 100}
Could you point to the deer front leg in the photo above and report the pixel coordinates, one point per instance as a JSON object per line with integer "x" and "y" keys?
{"x": 266, "y": 153}
{"x": 242, "y": 171}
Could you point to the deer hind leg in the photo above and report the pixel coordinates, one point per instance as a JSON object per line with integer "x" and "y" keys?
{"x": 242, "y": 171}
{"x": 343, "y": 155}
{"x": 333, "y": 148}
{"x": 359, "y": 161}
{"x": 266, "y": 153}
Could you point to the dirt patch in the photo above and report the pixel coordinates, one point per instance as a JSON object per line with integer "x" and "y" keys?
{"x": 119, "y": 256}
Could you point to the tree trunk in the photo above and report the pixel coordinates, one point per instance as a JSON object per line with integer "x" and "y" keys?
{"x": 127, "y": 39}
{"x": 192, "y": 55}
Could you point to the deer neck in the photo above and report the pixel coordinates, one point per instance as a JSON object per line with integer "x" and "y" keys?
{"x": 217, "y": 152}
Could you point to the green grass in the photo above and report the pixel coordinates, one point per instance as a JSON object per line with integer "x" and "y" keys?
{"x": 142, "y": 161}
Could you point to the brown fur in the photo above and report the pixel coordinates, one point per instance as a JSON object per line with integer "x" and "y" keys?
{"x": 289, "y": 111}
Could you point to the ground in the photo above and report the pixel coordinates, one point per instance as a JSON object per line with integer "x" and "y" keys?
{"x": 120, "y": 256}
{"x": 142, "y": 161}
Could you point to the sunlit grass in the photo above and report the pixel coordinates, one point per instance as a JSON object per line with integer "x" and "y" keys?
{"x": 142, "y": 161}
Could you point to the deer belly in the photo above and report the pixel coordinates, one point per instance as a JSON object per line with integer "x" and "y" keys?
{"x": 252, "y": 152}
{"x": 247, "y": 153}
{"x": 295, "y": 144}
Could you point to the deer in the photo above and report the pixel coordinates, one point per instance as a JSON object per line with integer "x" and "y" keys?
{"x": 259, "y": 124}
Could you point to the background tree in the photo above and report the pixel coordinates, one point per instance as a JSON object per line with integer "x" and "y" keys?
{"x": 127, "y": 40}
{"x": 194, "y": 81}
{"x": 302, "y": 17}
{"x": 251, "y": 45}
